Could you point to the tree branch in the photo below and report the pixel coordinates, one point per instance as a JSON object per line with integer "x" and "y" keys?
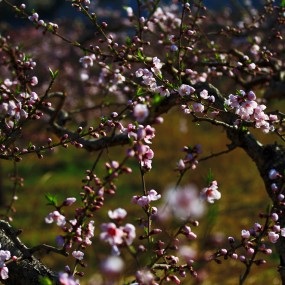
{"x": 28, "y": 270}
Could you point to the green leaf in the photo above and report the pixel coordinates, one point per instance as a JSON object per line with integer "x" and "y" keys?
{"x": 132, "y": 249}
{"x": 212, "y": 216}
{"x": 157, "y": 99}
{"x": 45, "y": 281}
{"x": 128, "y": 41}
{"x": 140, "y": 91}
{"x": 210, "y": 177}
{"x": 52, "y": 200}
{"x": 53, "y": 74}
{"x": 159, "y": 75}
{"x": 282, "y": 3}
{"x": 140, "y": 55}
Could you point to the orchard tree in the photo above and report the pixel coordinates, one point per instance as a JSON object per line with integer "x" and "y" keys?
{"x": 108, "y": 83}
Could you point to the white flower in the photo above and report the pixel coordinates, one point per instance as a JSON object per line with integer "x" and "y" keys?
{"x": 117, "y": 214}
{"x": 112, "y": 265}
{"x": 87, "y": 60}
{"x": 55, "y": 216}
{"x": 211, "y": 193}
{"x": 184, "y": 202}
{"x": 130, "y": 11}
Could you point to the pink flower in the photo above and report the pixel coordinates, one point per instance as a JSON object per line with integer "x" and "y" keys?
{"x": 89, "y": 232}
{"x": 112, "y": 265}
{"x": 273, "y": 237}
{"x": 211, "y": 193}
{"x": 141, "y": 112}
{"x": 34, "y": 17}
{"x": 184, "y": 202}
{"x": 252, "y": 66}
{"x": 117, "y": 214}
{"x": 4, "y": 255}
{"x": 130, "y": 233}
{"x": 273, "y": 174}
{"x": 87, "y": 60}
{"x": 130, "y": 11}
{"x": 4, "y": 272}
{"x": 15, "y": 109}
{"x": 274, "y": 217}
{"x": 198, "y": 107}
{"x": 185, "y": 89}
{"x": 163, "y": 91}
{"x": 157, "y": 65}
{"x": 69, "y": 201}
{"x": 56, "y": 217}
{"x": 153, "y": 195}
{"x": 145, "y": 200}
{"x": 245, "y": 234}
{"x": 78, "y": 254}
{"x": 111, "y": 234}
{"x": 204, "y": 94}
{"x": 181, "y": 165}
{"x": 34, "y": 81}
{"x": 144, "y": 277}
{"x": 65, "y": 279}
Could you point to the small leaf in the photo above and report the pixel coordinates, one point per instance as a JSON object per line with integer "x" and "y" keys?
{"x": 140, "y": 55}
{"x": 140, "y": 91}
{"x": 157, "y": 99}
{"x": 53, "y": 74}
{"x": 128, "y": 41}
{"x": 51, "y": 199}
{"x": 210, "y": 177}
{"x": 45, "y": 281}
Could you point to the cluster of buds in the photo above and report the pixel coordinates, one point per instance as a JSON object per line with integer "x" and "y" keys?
{"x": 191, "y": 158}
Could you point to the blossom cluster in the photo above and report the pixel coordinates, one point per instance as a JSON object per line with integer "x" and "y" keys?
{"x": 144, "y": 200}
{"x": 191, "y": 158}
{"x": 150, "y": 80}
{"x": 141, "y": 137}
{"x": 40, "y": 23}
{"x": 15, "y": 106}
{"x": 247, "y": 109}
{"x": 200, "y": 101}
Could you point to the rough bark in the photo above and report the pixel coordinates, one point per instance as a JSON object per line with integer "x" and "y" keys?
{"x": 28, "y": 270}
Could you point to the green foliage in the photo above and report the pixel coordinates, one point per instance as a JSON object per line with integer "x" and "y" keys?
{"x": 140, "y": 91}
{"x": 53, "y": 74}
{"x": 45, "y": 281}
{"x": 52, "y": 200}
{"x": 140, "y": 55}
{"x": 210, "y": 177}
{"x": 128, "y": 41}
{"x": 157, "y": 99}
